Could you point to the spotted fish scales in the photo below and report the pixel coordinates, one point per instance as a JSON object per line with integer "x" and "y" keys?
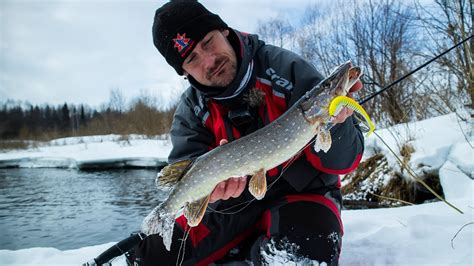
{"x": 252, "y": 155}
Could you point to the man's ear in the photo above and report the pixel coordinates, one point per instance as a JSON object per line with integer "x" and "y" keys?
{"x": 225, "y": 32}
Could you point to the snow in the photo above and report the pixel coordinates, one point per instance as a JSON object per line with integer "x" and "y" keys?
{"x": 456, "y": 185}
{"x": 426, "y": 234}
{"x": 53, "y": 256}
{"x": 83, "y": 151}
{"x": 415, "y": 235}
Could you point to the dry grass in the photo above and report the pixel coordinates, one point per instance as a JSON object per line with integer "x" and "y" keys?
{"x": 375, "y": 184}
{"x": 398, "y": 188}
{"x": 366, "y": 181}
{"x": 406, "y": 151}
{"x": 13, "y": 145}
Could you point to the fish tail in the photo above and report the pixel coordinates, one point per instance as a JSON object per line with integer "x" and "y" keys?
{"x": 159, "y": 222}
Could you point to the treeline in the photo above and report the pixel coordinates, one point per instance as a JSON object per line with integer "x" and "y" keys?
{"x": 20, "y": 121}
{"x": 40, "y": 122}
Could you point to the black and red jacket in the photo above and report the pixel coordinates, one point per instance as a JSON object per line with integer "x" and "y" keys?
{"x": 200, "y": 121}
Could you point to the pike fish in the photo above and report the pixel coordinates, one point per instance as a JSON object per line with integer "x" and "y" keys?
{"x": 251, "y": 155}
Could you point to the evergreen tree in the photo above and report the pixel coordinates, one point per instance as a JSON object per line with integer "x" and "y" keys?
{"x": 65, "y": 119}
{"x": 82, "y": 121}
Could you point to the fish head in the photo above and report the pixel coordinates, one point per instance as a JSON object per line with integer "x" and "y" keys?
{"x": 338, "y": 79}
{"x": 316, "y": 101}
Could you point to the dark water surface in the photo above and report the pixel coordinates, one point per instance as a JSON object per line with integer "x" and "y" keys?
{"x": 68, "y": 209}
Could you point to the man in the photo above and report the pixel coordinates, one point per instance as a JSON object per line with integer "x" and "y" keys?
{"x": 239, "y": 84}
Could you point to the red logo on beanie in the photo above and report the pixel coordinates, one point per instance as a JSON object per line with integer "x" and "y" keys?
{"x": 181, "y": 42}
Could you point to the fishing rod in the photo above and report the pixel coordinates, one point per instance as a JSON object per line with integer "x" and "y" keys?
{"x": 116, "y": 250}
{"x": 413, "y": 71}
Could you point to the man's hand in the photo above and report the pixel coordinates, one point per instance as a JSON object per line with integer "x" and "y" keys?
{"x": 230, "y": 188}
{"x": 346, "y": 112}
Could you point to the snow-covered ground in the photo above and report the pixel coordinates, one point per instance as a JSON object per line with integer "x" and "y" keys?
{"x": 93, "y": 151}
{"x": 426, "y": 234}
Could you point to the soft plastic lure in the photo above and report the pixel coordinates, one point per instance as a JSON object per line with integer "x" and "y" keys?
{"x": 343, "y": 101}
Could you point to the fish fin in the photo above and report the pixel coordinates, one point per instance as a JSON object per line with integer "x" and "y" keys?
{"x": 194, "y": 211}
{"x": 323, "y": 141}
{"x": 159, "y": 222}
{"x": 258, "y": 184}
{"x": 171, "y": 174}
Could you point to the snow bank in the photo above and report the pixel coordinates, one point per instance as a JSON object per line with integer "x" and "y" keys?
{"x": 422, "y": 234}
{"x": 415, "y": 235}
{"x": 91, "y": 152}
{"x": 52, "y": 256}
{"x": 433, "y": 141}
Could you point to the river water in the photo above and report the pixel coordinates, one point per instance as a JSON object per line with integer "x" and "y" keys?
{"x": 68, "y": 209}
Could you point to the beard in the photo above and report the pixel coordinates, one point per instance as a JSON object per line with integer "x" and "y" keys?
{"x": 222, "y": 73}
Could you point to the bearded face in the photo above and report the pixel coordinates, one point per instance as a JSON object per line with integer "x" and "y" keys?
{"x": 213, "y": 61}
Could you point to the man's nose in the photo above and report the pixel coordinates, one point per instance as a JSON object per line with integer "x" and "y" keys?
{"x": 209, "y": 61}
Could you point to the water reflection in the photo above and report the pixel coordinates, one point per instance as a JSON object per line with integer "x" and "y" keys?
{"x": 69, "y": 209}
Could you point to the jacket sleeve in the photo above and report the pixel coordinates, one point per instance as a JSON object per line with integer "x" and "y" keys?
{"x": 189, "y": 137}
{"x": 345, "y": 153}
{"x": 347, "y": 139}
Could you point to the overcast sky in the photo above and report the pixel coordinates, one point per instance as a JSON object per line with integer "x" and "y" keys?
{"x": 76, "y": 51}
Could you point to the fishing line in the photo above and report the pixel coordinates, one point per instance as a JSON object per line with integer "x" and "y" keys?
{"x": 182, "y": 246}
{"x": 414, "y": 175}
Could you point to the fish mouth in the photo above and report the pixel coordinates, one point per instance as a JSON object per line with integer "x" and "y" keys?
{"x": 340, "y": 79}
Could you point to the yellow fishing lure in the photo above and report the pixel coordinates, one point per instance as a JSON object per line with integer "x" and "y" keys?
{"x": 344, "y": 101}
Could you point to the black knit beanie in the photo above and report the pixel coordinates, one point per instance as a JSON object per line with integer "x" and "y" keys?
{"x": 178, "y": 26}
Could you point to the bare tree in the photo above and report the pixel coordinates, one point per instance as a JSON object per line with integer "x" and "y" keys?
{"x": 323, "y": 37}
{"x": 117, "y": 101}
{"x": 276, "y": 31}
{"x": 384, "y": 36}
{"x": 447, "y": 23}
{"x": 378, "y": 35}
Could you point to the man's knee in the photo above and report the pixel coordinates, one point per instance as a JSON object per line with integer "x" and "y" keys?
{"x": 301, "y": 231}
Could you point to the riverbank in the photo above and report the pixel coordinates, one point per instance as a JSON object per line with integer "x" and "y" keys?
{"x": 93, "y": 152}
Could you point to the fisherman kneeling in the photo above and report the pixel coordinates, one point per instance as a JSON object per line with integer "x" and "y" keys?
{"x": 238, "y": 84}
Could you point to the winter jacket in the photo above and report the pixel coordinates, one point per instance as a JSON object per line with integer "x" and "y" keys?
{"x": 200, "y": 122}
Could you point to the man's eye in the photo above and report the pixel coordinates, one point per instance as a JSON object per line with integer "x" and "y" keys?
{"x": 208, "y": 41}
{"x": 190, "y": 59}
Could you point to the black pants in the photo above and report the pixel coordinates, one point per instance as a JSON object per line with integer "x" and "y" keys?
{"x": 304, "y": 226}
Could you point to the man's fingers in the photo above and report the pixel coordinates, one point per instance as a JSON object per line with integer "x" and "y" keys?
{"x": 218, "y": 192}
{"x": 231, "y": 186}
{"x": 242, "y": 183}
{"x": 342, "y": 116}
{"x": 223, "y": 141}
